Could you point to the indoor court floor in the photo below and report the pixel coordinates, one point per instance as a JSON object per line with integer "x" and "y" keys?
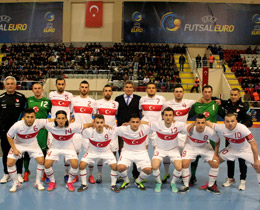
{"x": 99, "y": 196}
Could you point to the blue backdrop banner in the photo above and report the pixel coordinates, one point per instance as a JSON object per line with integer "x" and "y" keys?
{"x": 203, "y": 23}
{"x": 31, "y": 22}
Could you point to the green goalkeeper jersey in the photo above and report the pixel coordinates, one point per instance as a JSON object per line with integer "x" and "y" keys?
{"x": 210, "y": 110}
{"x": 42, "y": 107}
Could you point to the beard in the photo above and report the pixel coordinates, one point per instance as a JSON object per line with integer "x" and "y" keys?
{"x": 107, "y": 97}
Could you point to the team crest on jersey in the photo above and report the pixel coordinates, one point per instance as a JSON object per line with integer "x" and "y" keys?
{"x": 238, "y": 110}
{"x": 184, "y": 105}
{"x": 17, "y": 100}
{"x": 36, "y": 109}
{"x": 206, "y": 114}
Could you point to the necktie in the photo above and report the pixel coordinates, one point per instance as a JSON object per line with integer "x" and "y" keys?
{"x": 127, "y": 100}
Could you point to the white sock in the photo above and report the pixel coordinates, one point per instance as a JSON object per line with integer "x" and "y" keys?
{"x": 213, "y": 174}
{"x": 186, "y": 176}
{"x": 67, "y": 166}
{"x": 13, "y": 173}
{"x": 72, "y": 173}
{"x": 176, "y": 175}
{"x": 91, "y": 168}
{"x": 113, "y": 176}
{"x": 166, "y": 164}
{"x": 99, "y": 166}
{"x": 39, "y": 172}
{"x": 124, "y": 176}
{"x": 258, "y": 178}
{"x": 50, "y": 174}
{"x": 83, "y": 176}
{"x": 156, "y": 175}
{"x": 142, "y": 176}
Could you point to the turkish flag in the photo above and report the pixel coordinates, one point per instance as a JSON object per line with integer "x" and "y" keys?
{"x": 205, "y": 77}
{"x": 94, "y": 14}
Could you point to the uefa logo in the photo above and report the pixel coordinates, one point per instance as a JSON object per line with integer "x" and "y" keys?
{"x": 49, "y": 16}
{"x": 170, "y": 22}
{"x": 137, "y": 16}
{"x": 256, "y": 18}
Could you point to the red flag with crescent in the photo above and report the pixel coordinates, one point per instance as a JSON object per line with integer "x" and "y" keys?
{"x": 94, "y": 14}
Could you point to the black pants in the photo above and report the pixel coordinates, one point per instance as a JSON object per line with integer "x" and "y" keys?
{"x": 135, "y": 172}
{"x": 231, "y": 167}
{"x": 196, "y": 88}
{"x": 5, "y": 148}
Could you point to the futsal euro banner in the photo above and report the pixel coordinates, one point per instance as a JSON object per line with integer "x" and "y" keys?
{"x": 203, "y": 23}
{"x": 31, "y": 22}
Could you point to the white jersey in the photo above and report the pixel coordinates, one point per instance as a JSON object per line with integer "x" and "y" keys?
{"x": 98, "y": 142}
{"x": 21, "y": 133}
{"x": 200, "y": 139}
{"x": 62, "y": 137}
{"x": 152, "y": 107}
{"x": 238, "y": 137}
{"x": 134, "y": 141}
{"x": 181, "y": 109}
{"x": 109, "y": 110}
{"x": 60, "y": 102}
{"x": 166, "y": 138}
{"x": 83, "y": 109}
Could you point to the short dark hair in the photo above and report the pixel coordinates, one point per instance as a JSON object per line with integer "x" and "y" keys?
{"x": 59, "y": 78}
{"x": 107, "y": 86}
{"x": 207, "y": 86}
{"x": 230, "y": 114}
{"x": 61, "y": 112}
{"x": 150, "y": 83}
{"x": 235, "y": 89}
{"x": 29, "y": 111}
{"x": 37, "y": 83}
{"x": 128, "y": 82}
{"x": 134, "y": 115}
{"x": 84, "y": 82}
{"x": 168, "y": 109}
{"x": 99, "y": 116}
{"x": 178, "y": 86}
{"x": 200, "y": 116}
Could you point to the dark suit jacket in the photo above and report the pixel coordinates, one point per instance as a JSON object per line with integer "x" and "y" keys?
{"x": 124, "y": 111}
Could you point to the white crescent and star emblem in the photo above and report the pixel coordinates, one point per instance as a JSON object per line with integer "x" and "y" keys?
{"x": 151, "y": 108}
{"x": 178, "y": 113}
{"x": 61, "y": 138}
{"x": 82, "y": 109}
{"x": 107, "y": 111}
{"x": 135, "y": 142}
{"x": 167, "y": 137}
{"x": 99, "y": 144}
{"x": 28, "y": 136}
{"x": 92, "y": 7}
{"x": 60, "y": 102}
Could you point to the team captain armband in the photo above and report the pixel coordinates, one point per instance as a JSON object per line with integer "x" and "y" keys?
{"x": 250, "y": 137}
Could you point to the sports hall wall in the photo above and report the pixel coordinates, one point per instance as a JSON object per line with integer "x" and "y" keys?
{"x": 74, "y": 29}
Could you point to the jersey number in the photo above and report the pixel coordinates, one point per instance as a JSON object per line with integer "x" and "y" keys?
{"x": 238, "y": 135}
{"x": 44, "y": 104}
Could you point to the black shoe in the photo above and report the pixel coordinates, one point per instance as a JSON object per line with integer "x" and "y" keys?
{"x": 165, "y": 177}
{"x": 140, "y": 185}
{"x": 193, "y": 181}
{"x": 183, "y": 190}
{"x": 214, "y": 190}
{"x": 99, "y": 179}
{"x": 119, "y": 180}
{"x": 115, "y": 188}
{"x": 82, "y": 188}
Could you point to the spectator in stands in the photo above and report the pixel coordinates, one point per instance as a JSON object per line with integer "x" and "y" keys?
{"x": 221, "y": 53}
{"x": 178, "y": 80}
{"x": 4, "y": 48}
{"x": 257, "y": 50}
{"x": 196, "y": 85}
{"x": 182, "y": 62}
{"x": 211, "y": 61}
{"x": 254, "y": 63}
{"x": 205, "y": 60}
{"x": 198, "y": 61}
{"x": 247, "y": 97}
{"x": 146, "y": 80}
{"x": 256, "y": 98}
{"x": 249, "y": 50}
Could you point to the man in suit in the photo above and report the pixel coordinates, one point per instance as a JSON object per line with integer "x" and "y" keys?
{"x": 128, "y": 104}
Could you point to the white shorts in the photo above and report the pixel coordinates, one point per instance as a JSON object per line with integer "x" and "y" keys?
{"x": 191, "y": 152}
{"x": 107, "y": 157}
{"x": 173, "y": 154}
{"x": 141, "y": 159}
{"x": 54, "y": 153}
{"x": 181, "y": 140}
{"x": 231, "y": 154}
{"x": 32, "y": 148}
